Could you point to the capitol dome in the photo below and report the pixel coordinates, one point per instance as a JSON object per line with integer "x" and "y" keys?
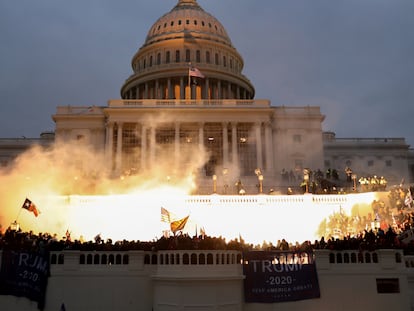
{"x": 187, "y": 37}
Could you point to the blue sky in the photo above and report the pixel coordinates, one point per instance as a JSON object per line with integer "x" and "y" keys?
{"x": 353, "y": 58}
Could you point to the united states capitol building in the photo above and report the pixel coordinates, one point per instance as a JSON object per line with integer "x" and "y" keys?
{"x": 165, "y": 109}
{"x": 187, "y": 109}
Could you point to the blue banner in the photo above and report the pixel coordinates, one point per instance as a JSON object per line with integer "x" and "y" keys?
{"x": 277, "y": 276}
{"x": 25, "y": 274}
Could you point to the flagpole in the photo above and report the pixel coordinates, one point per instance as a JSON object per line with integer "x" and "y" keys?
{"x": 189, "y": 77}
{"x": 18, "y": 214}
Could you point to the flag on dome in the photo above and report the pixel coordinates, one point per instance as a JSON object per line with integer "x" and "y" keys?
{"x": 31, "y": 207}
{"x": 194, "y": 72}
{"x": 179, "y": 224}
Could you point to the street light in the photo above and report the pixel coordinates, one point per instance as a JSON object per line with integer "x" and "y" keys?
{"x": 354, "y": 178}
{"x": 225, "y": 172}
{"x": 260, "y": 177}
{"x": 306, "y": 179}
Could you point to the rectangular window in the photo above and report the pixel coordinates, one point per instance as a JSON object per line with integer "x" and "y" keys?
{"x": 297, "y": 138}
{"x": 177, "y": 56}
{"x": 388, "y": 286}
{"x": 187, "y": 56}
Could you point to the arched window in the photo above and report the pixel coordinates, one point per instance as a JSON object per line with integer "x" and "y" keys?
{"x": 193, "y": 259}
{"x": 61, "y": 259}
{"x": 111, "y": 259}
{"x": 186, "y": 259}
{"x": 118, "y": 259}
{"x": 209, "y": 259}
{"x": 89, "y": 259}
{"x": 346, "y": 258}
{"x": 104, "y": 259}
{"x": 202, "y": 259}
{"x": 154, "y": 259}
{"x": 125, "y": 259}
{"x": 339, "y": 258}
{"x": 146, "y": 259}
{"x": 353, "y": 258}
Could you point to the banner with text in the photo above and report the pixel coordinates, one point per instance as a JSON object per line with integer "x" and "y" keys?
{"x": 25, "y": 274}
{"x": 277, "y": 276}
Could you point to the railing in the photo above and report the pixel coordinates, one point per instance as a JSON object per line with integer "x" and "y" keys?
{"x": 152, "y": 103}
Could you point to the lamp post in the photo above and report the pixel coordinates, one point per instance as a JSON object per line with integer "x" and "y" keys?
{"x": 354, "y": 178}
{"x": 306, "y": 179}
{"x": 225, "y": 172}
{"x": 214, "y": 183}
{"x": 260, "y": 177}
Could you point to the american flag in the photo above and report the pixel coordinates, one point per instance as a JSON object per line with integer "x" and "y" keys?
{"x": 194, "y": 72}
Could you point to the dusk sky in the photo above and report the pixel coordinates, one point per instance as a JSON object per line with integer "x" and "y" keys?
{"x": 353, "y": 58}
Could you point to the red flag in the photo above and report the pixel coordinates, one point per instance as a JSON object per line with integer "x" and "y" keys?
{"x": 178, "y": 224}
{"x": 29, "y": 205}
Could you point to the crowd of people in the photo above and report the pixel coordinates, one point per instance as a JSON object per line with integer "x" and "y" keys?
{"x": 386, "y": 235}
{"x": 332, "y": 181}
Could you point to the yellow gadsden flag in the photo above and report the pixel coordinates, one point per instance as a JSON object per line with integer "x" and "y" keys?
{"x": 178, "y": 225}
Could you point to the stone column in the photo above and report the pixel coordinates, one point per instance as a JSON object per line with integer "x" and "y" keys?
{"x": 269, "y": 147}
{"x": 170, "y": 93}
{"x": 177, "y": 143}
{"x": 109, "y": 144}
{"x": 146, "y": 90}
{"x": 201, "y": 136}
{"x": 234, "y": 153}
{"x": 225, "y": 145}
{"x": 157, "y": 90}
{"x": 152, "y": 146}
{"x": 206, "y": 88}
{"x": 144, "y": 147}
{"x": 219, "y": 92}
{"x": 118, "y": 164}
{"x": 259, "y": 153}
{"x": 182, "y": 88}
{"x": 137, "y": 92}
